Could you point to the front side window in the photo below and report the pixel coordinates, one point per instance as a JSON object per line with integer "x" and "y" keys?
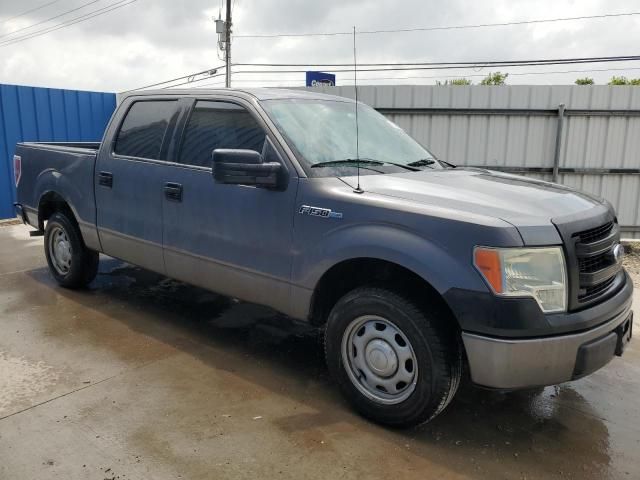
{"x": 216, "y": 124}
{"x": 323, "y": 134}
{"x": 143, "y": 129}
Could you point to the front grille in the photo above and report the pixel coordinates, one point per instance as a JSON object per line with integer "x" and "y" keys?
{"x": 590, "y": 293}
{"x": 595, "y": 263}
{"x": 592, "y": 271}
{"x": 594, "y": 234}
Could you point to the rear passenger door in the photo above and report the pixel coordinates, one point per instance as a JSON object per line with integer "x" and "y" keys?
{"x": 232, "y": 239}
{"x": 129, "y": 182}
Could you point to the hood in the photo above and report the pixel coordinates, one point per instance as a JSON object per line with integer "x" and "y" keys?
{"x": 521, "y": 201}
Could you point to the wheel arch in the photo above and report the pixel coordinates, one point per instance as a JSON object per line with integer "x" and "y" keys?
{"x": 350, "y": 274}
{"x": 51, "y": 202}
{"x": 378, "y": 252}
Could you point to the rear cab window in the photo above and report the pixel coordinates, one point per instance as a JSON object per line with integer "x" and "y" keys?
{"x": 144, "y": 128}
{"x": 219, "y": 124}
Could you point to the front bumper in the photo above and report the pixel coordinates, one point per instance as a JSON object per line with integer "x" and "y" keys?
{"x": 512, "y": 363}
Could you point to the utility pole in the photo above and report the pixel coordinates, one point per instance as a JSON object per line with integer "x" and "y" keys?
{"x": 227, "y": 41}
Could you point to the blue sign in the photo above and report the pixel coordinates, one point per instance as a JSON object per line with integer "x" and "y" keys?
{"x": 317, "y": 79}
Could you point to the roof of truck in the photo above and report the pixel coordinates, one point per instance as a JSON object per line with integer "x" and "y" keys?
{"x": 258, "y": 93}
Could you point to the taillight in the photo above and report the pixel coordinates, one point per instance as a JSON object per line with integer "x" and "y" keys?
{"x": 17, "y": 168}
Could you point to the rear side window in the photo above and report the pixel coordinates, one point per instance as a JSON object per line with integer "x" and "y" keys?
{"x": 143, "y": 129}
{"x": 219, "y": 125}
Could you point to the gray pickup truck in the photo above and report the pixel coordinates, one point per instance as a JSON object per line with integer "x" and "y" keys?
{"x": 415, "y": 269}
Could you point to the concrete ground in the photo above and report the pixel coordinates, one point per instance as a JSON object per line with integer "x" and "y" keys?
{"x": 141, "y": 377}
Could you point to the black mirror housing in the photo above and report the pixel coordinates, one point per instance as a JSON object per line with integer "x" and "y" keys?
{"x": 245, "y": 167}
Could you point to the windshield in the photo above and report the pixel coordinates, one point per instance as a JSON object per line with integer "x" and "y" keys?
{"x": 323, "y": 134}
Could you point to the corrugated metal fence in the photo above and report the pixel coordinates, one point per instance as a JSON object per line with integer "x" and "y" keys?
{"x": 43, "y": 115}
{"x": 586, "y": 137}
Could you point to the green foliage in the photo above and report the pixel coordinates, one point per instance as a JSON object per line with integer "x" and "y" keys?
{"x": 618, "y": 81}
{"x": 624, "y": 81}
{"x": 585, "y": 81}
{"x": 496, "y": 78}
{"x": 455, "y": 81}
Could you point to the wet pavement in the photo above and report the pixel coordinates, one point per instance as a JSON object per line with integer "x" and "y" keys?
{"x": 142, "y": 377}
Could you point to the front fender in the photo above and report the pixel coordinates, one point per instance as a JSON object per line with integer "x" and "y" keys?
{"x": 440, "y": 267}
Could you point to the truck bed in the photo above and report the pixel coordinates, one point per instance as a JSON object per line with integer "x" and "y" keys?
{"x": 66, "y": 168}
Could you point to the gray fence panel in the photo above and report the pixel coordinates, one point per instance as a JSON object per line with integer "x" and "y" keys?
{"x": 601, "y": 130}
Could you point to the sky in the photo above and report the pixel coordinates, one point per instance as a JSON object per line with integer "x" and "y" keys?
{"x": 148, "y": 41}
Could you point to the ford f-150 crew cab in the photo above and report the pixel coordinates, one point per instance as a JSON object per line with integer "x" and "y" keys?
{"x": 416, "y": 270}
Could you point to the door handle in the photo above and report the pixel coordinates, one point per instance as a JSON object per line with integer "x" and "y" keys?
{"x": 105, "y": 179}
{"x": 173, "y": 191}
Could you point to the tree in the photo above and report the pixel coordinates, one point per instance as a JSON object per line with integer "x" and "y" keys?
{"x": 496, "y": 78}
{"x": 624, "y": 81}
{"x": 584, "y": 81}
{"x": 455, "y": 81}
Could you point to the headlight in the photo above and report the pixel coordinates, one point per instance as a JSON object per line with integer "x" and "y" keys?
{"x": 536, "y": 272}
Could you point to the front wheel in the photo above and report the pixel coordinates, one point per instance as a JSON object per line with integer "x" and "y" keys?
{"x": 398, "y": 364}
{"x": 71, "y": 263}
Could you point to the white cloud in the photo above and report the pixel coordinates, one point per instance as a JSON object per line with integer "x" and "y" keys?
{"x": 152, "y": 40}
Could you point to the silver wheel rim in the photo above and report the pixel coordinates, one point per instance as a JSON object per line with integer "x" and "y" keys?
{"x": 379, "y": 359}
{"x": 60, "y": 250}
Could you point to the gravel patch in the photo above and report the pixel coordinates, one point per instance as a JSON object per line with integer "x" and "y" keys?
{"x": 10, "y": 221}
{"x": 631, "y": 261}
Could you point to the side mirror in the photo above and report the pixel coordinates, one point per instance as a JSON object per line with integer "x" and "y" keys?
{"x": 245, "y": 167}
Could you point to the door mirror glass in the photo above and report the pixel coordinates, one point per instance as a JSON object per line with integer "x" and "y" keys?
{"x": 245, "y": 167}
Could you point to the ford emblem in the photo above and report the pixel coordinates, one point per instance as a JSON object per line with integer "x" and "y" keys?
{"x": 618, "y": 252}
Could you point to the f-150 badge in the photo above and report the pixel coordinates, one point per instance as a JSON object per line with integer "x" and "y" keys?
{"x": 319, "y": 212}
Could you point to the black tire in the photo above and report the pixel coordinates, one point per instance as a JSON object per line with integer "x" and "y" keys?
{"x": 82, "y": 265}
{"x": 435, "y": 344}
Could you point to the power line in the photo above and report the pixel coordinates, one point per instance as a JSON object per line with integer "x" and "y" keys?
{"x": 191, "y": 75}
{"x": 27, "y": 12}
{"x": 407, "y": 67}
{"x": 459, "y": 66}
{"x": 544, "y": 61}
{"x": 84, "y": 5}
{"x": 509, "y": 73}
{"x": 275, "y": 80}
{"x": 68, "y": 23}
{"x": 436, "y": 28}
{"x": 283, "y": 80}
{"x": 196, "y": 80}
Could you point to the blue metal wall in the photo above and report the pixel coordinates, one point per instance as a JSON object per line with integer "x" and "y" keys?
{"x": 32, "y": 114}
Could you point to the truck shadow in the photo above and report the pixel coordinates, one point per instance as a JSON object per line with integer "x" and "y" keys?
{"x": 543, "y": 433}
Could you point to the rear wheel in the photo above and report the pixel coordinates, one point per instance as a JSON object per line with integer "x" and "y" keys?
{"x": 398, "y": 364}
{"x": 71, "y": 263}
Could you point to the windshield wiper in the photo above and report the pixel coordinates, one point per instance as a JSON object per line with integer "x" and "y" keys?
{"x": 423, "y": 162}
{"x": 344, "y": 161}
{"x": 351, "y": 162}
{"x": 365, "y": 161}
{"x": 450, "y": 165}
{"x": 405, "y": 166}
